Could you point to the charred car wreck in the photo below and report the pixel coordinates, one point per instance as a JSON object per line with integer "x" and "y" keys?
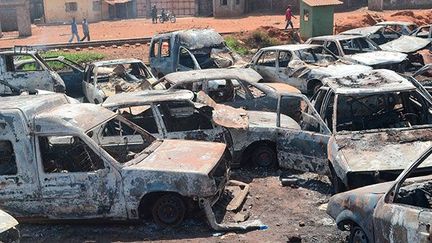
{"x": 302, "y": 66}
{"x": 190, "y": 49}
{"x": 397, "y": 211}
{"x": 380, "y": 122}
{"x": 82, "y": 161}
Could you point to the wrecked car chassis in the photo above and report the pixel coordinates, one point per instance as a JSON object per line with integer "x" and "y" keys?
{"x": 78, "y": 165}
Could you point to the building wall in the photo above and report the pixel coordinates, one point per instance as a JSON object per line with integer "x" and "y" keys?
{"x": 55, "y": 11}
{"x": 274, "y": 6}
{"x": 8, "y": 18}
{"x": 178, "y": 7}
{"x": 15, "y": 15}
{"x": 205, "y": 8}
{"x": 402, "y": 4}
{"x": 228, "y": 8}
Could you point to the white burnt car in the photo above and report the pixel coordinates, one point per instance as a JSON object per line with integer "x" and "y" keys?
{"x": 8, "y": 228}
{"x": 302, "y": 66}
{"x": 82, "y": 161}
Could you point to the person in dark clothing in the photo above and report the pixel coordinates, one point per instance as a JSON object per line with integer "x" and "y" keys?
{"x": 288, "y": 17}
{"x": 154, "y": 14}
{"x": 74, "y": 29}
{"x": 163, "y": 14}
{"x": 86, "y": 31}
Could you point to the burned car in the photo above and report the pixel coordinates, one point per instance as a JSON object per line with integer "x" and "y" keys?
{"x": 399, "y": 211}
{"x": 424, "y": 31}
{"x": 398, "y": 27}
{"x": 72, "y": 73}
{"x": 190, "y": 49}
{"x": 105, "y": 78}
{"x": 237, "y": 87}
{"x": 32, "y": 77}
{"x": 362, "y": 50}
{"x": 380, "y": 121}
{"x": 302, "y": 66}
{"x": 8, "y": 228}
{"x": 82, "y": 161}
{"x": 409, "y": 45}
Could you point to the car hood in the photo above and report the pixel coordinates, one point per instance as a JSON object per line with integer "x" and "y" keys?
{"x": 283, "y": 88}
{"x": 338, "y": 70}
{"x": 385, "y": 150}
{"x": 6, "y": 221}
{"x": 268, "y": 119}
{"x": 181, "y": 156}
{"x": 378, "y": 58}
{"x": 405, "y": 44}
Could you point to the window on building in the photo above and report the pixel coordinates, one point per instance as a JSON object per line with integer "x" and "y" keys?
{"x": 237, "y": 2}
{"x": 7, "y": 159}
{"x": 224, "y": 2}
{"x": 71, "y": 6}
{"x": 96, "y": 6}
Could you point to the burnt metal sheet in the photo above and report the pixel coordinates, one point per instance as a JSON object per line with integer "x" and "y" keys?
{"x": 378, "y": 57}
{"x": 74, "y": 116}
{"x": 364, "y": 31}
{"x": 146, "y": 97}
{"x": 200, "y": 38}
{"x": 284, "y": 88}
{"x": 247, "y": 74}
{"x": 375, "y": 81}
{"x": 386, "y": 150}
{"x": 405, "y": 44}
{"x": 6, "y": 221}
{"x": 181, "y": 156}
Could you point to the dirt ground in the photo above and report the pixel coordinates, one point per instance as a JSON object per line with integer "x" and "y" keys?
{"x": 292, "y": 213}
{"x": 134, "y": 28}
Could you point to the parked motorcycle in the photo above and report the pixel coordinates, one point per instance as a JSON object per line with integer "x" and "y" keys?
{"x": 168, "y": 17}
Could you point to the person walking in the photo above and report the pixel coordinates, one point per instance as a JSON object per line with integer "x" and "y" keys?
{"x": 288, "y": 17}
{"x": 86, "y": 31}
{"x": 154, "y": 14}
{"x": 74, "y": 29}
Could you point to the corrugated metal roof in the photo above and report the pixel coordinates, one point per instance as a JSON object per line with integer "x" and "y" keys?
{"x": 315, "y": 3}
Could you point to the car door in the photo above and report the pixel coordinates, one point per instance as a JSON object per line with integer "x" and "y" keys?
{"x": 182, "y": 120}
{"x": 302, "y": 148}
{"x": 33, "y": 76}
{"x": 71, "y": 73}
{"x": 76, "y": 181}
{"x": 91, "y": 92}
{"x": 266, "y": 66}
{"x": 19, "y": 185}
{"x": 186, "y": 60}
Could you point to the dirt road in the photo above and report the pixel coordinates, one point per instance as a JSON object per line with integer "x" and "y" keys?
{"x": 144, "y": 28}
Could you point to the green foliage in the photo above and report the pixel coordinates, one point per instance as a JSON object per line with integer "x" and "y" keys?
{"x": 78, "y": 57}
{"x": 260, "y": 39}
{"x": 236, "y": 46}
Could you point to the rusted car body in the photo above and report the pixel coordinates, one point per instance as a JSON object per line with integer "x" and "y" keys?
{"x": 398, "y": 27}
{"x": 302, "y": 66}
{"x": 380, "y": 121}
{"x": 236, "y": 87}
{"x": 71, "y": 72}
{"x": 8, "y": 228}
{"x": 34, "y": 77}
{"x": 105, "y": 78}
{"x": 424, "y": 31}
{"x": 409, "y": 45}
{"x": 82, "y": 161}
{"x": 398, "y": 211}
{"x": 190, "y": 49}
{"x": 362, "y": 50}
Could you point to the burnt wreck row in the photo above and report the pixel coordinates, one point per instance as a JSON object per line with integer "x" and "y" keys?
{"x": 123, "y": 140}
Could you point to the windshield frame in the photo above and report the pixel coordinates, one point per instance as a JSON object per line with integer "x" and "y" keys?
{"x": 298, "y": 52}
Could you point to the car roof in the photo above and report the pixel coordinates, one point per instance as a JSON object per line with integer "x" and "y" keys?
{"x": 395, "y": 23}
{"x": 362, "y": 31}
{"x": 374, "y": 81}
{"x": 246, "y": 74}
{"x": 146, "y": 97}
{"x": 335, "y": 37}
{"x": 18, "y": 52}
{"x": 31, "y": 105}
{"x": 116, "y": 62}
{"x": 291, "y": 47}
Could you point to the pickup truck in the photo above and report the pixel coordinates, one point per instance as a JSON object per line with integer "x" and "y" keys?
{"x": 81, "y": 161}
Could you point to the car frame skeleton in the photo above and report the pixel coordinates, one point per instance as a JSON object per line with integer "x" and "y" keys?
{"x": 82, "y": 161}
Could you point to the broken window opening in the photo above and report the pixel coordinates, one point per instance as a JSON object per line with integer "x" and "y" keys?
{"x": 381, "y": 111}
{"x": 183, "y": 116}
{"x": 13, "y": 63}
{"x": 155, "y": 49}
{"x": 268, "y": 59}
{"x": 284, "y": 58}
{"x": 68, "y": 154}
{"x": 141, "y": 116}
{"x": 298, "y": 109}
{"x": 256, "y": 92}
{"x": 165, "y": 48}
{"x": 185, "y": 59}
{"x": 8, "y": 164}
{"x": 357, "y": 45}
{"x": 222, "y": 91}
{"x": 316, "y": 55}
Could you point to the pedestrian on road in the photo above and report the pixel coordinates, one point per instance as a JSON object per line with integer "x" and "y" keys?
{"x": 74, "y": 29}
{"x": 154, "y": 14}
{"x": 86, "y": 31}
{"x": 288, "y": 16}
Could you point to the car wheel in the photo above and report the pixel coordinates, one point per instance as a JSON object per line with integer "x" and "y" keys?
{"x": 357, "y": 235}
{"x": 264, "y": 156}
{"x": 338, "y": 185}
{"x": 169, "y": 210}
